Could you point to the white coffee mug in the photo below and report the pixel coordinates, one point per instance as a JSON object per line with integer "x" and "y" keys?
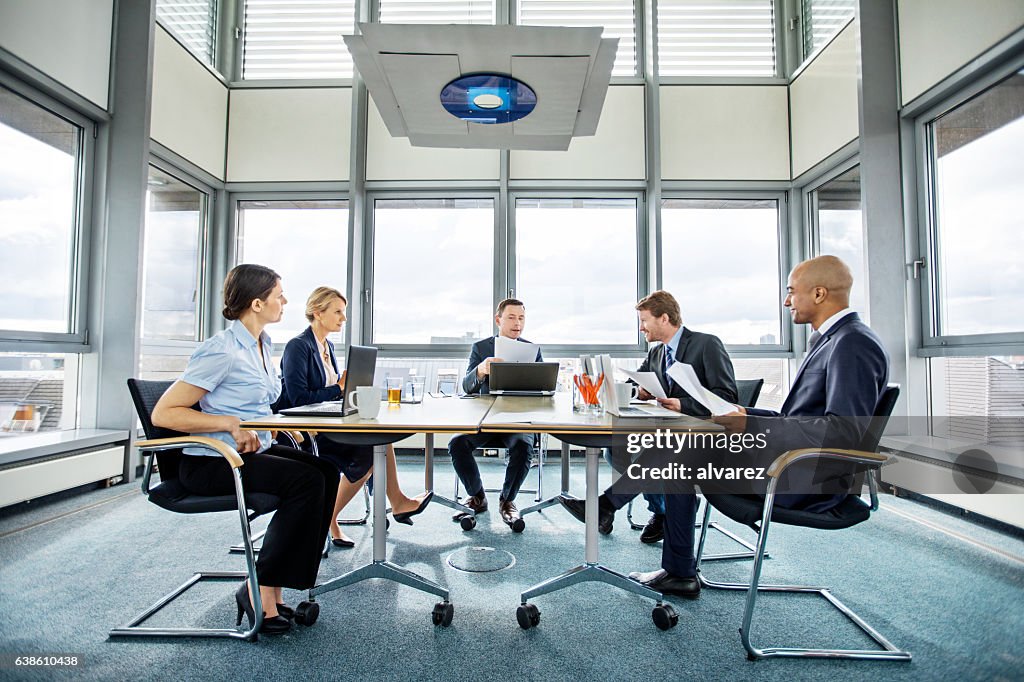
{"x": 624, "y": 392}
{"x": 367, "y": 399}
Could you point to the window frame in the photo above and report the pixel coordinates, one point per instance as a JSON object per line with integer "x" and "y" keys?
{"x": 77, "y": 339}
{"x": 366, "y": 295}
{"x": 809, "y": 201}
{"x": 643, "y": 265}
{"x": 933, "y": 343}
{"x": 783, "y": 349}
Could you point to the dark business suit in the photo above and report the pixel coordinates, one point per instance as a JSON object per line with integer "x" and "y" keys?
{"x": 842, "y": 376}
{"x": 707, "y": 355}
{"x": 303, "y": 378}
{"x": 461, "y": 447}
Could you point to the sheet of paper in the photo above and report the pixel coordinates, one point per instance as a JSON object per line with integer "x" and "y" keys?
{"x": 647, "y": 381}
{"x": 511, "y": 350}
{"x": 523, "y": 418}
{"x": 684, "y": 375}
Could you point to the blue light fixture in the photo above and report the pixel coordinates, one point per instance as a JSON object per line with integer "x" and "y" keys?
{"x": 488, "y": 98}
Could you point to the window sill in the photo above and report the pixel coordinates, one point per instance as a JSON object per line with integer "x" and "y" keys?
{"x": 31, "y": 446}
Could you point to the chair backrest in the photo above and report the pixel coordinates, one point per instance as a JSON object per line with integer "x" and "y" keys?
{"x": 747, "y": 391}
{"x": 145, "y": 395}
{"x": 879, "y": 420}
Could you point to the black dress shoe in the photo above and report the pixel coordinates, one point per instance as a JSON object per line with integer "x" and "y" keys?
{"x": 654, "y": 530}
{"x": 477, "y": 503}
{"x": 666, "y": 583}
{"x": 578, "y": 508}
{"x": 271, "y": 626}
{"x": 286, "y": 611}
{"x": 406, "y": 517}
{"x": 342, "y": 542}
{"x": 510, "y": 515}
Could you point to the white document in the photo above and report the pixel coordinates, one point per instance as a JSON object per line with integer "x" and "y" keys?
{"x": 684, "y": 375}
{"x": 523, "y": 418}
{"x": 647, "y": 381}
{"x": 511, "y": 350}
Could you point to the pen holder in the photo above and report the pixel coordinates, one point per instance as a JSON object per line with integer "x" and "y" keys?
{"x": 586, "y": 396}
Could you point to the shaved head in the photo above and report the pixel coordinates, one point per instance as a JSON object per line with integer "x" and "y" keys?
{"x": 828, "y": 272}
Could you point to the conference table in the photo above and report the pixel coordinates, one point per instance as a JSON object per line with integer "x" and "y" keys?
{"x": 486, "y": 414}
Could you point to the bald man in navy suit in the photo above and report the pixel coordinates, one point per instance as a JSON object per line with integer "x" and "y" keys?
{"x": 834, "y": 394}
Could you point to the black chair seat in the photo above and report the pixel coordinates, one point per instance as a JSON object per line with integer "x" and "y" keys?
{"x": 172, "y": 496}
{"x": 747, "y": 509}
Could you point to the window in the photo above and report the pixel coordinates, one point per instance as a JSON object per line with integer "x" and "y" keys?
{"x": 194, "y": 22}
{"x": 304, "y": 241}
{"x": 576, "y": 269}
{"x": 720, "y": 259}
{"x": 976, "y": 160}
{"x": 822, "y": 19}
{"x": 616, "y": 16}
{"x": 297, "y": 39}
{"x": 40, "y": 190}
{"x": 174, "y": 234}
{"x": 836, "y": 212}
{"x": 716, "y": 38}
{"x": 437, "y": 11}
{"x": 38, "y": 392}
{"x": 433, "y": 264}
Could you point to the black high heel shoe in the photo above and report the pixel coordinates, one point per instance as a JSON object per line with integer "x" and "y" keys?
{"x": 406, "y": 517}
{"x": 271, "y": 626}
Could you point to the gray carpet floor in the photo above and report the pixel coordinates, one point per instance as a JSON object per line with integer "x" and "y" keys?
{"x": 948, "y": 590}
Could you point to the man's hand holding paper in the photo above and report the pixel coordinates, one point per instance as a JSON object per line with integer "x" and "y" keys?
{"x": 684, "y": 375}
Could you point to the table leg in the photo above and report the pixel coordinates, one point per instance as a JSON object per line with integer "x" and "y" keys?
{"x": 381, "y": 567}
{"x": 591, "y": 570}
{"x": 552, "y": 501}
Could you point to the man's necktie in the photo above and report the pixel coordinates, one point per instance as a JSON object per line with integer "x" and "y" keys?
{"x": 669, "y": 361}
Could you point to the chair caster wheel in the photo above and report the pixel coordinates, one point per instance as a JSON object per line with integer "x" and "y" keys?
{"x": 528, "y": 616}
{"x": 518, "y": 526}
{"x": 665, "y": 617}
{"x": 307, "y": 612}
{"x": 468, "y": 522}
{"x": 442, "y": 614}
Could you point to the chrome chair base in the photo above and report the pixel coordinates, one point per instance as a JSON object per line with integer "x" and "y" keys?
{"x": 385, "y": 570}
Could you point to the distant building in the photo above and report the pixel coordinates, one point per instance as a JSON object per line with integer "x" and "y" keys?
{"x": 767, "y": 340}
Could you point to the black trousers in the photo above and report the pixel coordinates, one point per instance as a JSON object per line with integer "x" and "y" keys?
{"x": 306, "y": 485}
{"x": 519, "y": 447}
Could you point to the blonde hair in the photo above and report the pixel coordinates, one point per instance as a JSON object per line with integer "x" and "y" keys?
{"x": 320, "y": 299}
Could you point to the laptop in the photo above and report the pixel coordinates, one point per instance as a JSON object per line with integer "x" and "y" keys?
{"x": 360, "y": 363}
{"x": 611, "y": 402}
{"x": 523, "y": 378}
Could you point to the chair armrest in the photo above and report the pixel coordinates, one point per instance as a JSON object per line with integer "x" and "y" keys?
{"x": 787, "y": 459}
{"x": 218, "y": 446}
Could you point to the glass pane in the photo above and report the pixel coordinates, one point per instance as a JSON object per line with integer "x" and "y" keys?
{"x": 978, "y": 161}
{"x": 720, "y": 259}
{"x": 437, "y": 11}
{"x": 716, "y": 38}
{"x": 433, "y": 278}
{"x": 175, "y": 222}
{"x": 774, "y": 371}
{"x": 616, "y": 16}
{"x": 194, "y": 22}
{"x": 297, "y": 39}
{"x": 841, "y": 230}
{"x": 38, "y": 203}
{"x": 822, "y": 19}
{"x": 576, "y": 269}
{"x": 38, "y": 392}
{"x": 306, "y": 242}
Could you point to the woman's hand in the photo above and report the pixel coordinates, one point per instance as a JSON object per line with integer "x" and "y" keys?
{"x": 341, "y": 379}
{"x": 245, "y": 441}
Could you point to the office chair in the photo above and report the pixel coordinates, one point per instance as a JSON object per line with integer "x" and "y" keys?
{"x": 747, "y": 393}
{"x": 759, "y": 512}
{"x": 165, "y": 446}
{"x": 539, "y": 447}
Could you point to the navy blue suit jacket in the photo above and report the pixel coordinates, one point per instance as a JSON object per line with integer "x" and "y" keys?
{"x": 483, "y": 349}
{"x": 302, "y": 373}
{"x": 834, "y": 394}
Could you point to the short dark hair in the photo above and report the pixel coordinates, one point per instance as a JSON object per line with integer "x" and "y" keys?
{"x": 659, "y": 303}
{"x": 506, "y": 303}
{"x": 243, "y": 285}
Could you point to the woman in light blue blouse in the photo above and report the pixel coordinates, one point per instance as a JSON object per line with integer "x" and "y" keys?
{"x": 233, "y": 379}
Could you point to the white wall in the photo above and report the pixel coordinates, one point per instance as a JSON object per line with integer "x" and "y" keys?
{"x": 615, "y": 152}
{"x": 289, "y": 134}
{"x": 724, "y": 132}
{"x": 937, "y": 37}
{"x": 190, "y": 106}
{"x": 823, "y": 101}
{"x": 394, "y": 158}
{"x": 68, "y": 40}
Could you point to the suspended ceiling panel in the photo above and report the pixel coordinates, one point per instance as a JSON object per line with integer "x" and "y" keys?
{"x": 405, "y": 67}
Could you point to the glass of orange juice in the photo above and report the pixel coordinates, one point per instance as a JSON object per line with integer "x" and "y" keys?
{"x": 394, "y": 385}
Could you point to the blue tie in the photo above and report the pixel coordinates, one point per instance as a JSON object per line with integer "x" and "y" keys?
{"x": 669, "y": 361}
